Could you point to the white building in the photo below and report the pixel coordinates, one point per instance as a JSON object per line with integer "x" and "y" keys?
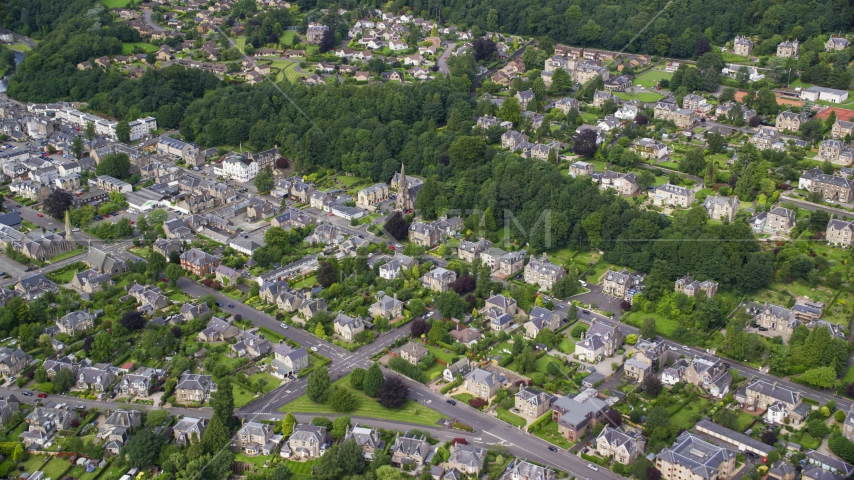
{"x": 238, "y": 167}
{"x": 831, "y": 95}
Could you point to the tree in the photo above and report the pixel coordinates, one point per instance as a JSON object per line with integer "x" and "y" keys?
{"x": 648, "y": 329}
{"x": 819, "y": 220}
{"x": 693, "y": 162}
{"x": 373, "y": 381}
{"x": 89, "y": 131}
{"x": 327, "y": 274}
{"x": 57, "y": 203}
{"x": 418, "y": 328}
{"x": 77, "y": 147}
{"x": 264, "y": 181}
{"x": 63, "y": 380}
{"x": 357, "y": 378}
{"x": 511, "y": 110}
{"x": 727, "y": 418}
{"x": 327, "y": 467}
{"x": 584, "y": 143}
{"x": 132, "y": 320}
{"x": 123, "y": 131}
{"x": 393, "y": 393}
{"x": 342, "y": 400}
{"x": 327, "y": 41}
{"x": 484, "y": 49}
{"x": 652, "y": 385}
{"x": 116, "y": 165}
{"x": 769, "y": 437}
{"x": 156, "y": 265}
{"x": 561, "y": 81}
{"x": 350, "y": 458}
{"x": 288, "y": 424}
{"x": 102, "y": 347}
{"x": 339, "y": 427}
{"x": 812, "y": 131}
{"x": 174, "y": 273}
{"x": 466, "y": 151}
{"x": 450, "y": 305}
{"x": 143, "y": 448}
{"x": 222, "y": 402}
{"x": 396, "y": 226}
{"x": 318, "y": 385}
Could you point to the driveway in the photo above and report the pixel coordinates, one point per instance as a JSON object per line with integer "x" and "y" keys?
{"x": 602, "y": 301}
{"x": 443, "y": 58}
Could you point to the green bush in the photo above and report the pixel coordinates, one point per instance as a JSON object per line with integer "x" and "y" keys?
{"x": 46, "y": 387}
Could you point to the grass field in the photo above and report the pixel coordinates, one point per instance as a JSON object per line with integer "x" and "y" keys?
{"x": 55, "y": 468}
{"x": 287, "y": 37}
{"x": 367, "y": 407}
{"x": 20, "y": 47}
{"x": 644, "y": 97}
{"x": 240, "y": 43}
{"x": 651, "y": 78}
{"x": 684, "y": 418}
{"x": 733, "y": 58}
{"x": 242, "y": 395}
{"x": 664, "y": 326}
{"x": 849, "y": 376}
{"x": 567, "y": 345}
{"x": 300, "y": 468}
{"x": 744, "y": 420}
{"x": 127, "y": 47}
{"x": 510, "y": 417}
{"x": 306, "y": 282}
{"x": 548, "y": 432}
{"x": 76, "y": 251}
{"x": 272, "y": 382}
{"x": 115, "y": 3}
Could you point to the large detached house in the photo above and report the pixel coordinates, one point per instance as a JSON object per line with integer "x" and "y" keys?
{"x": 692, "y": 458}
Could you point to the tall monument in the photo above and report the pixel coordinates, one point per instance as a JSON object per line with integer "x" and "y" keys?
{"x": 69, "y": 235}
{"x": 404, "y": 200}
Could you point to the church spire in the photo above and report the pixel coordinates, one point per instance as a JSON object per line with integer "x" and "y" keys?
{"x": 404, "y": 200}
{"x": 68, "y": 234}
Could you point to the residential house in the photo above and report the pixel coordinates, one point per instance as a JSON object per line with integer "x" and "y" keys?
{"x": 367, "y": 438}
{"x": 647, "y": 358}
{"x": 624, "y": 183}
{"x": 524, "y": 470}
{"x": 469, "y": 251}
{"x": 575, "y": 415}
{"x": 788, "y": 49}
{"x": 139, "y": 383}
{"x": 348, "y": 327}
{"x": 624, "y": 447}
{"x": 621, "y": 284}
{"x": 199, "y": 262}
{"x": 104, "y": 262}
{"x": 673, "y": 196}
{"x": 841, "y": 129}
{"x": 307, "y": 441}
{"x": 387, "y": 307}
{"x": 482, "y": 383}
{"x": 513, "y": 140}
{"x": 600, "y": 97}
{"x": 599, "y": 342}
{"x": 765, "y": 137}
{"x": 525, "y": 97}
{"x": 692, "y": 458}
{"x": 288, "y": 361}
{"x": 710, "y": 374}
{"x": 649, "y": 148}
{"x": 461, "y": 367}
{"x": 691, "y": 287}
{"x": 424, "y": 234}
{"x": 776, "y": 318}
{"x": 808, "y": 310}
{"x": 581, "y": 169}
{"x": 721, "y": 208}
{"x": 840, "y": 232}
{"x": 95, "y": 378}
{"x": 194, "y": 388}
{"x": 791, "y": 121}
{"x": 8, "y": 407}
{"x": 510, "y": 263}
{"x": 13, "y": 361}
{"x": 439, "y": 279}
{"x": 836, "y": 44}
{"x": 251, "y": 345}
{"x": 413, "y": 352}
{"x": 742, "y": 46}
{"x": 218, "y": 330}
{"x": 76, "y": 322}
{"x": 780, "y": 220}
{"x": 832, "y": 187}
{"x": 117, "y": 428}
{"x": 467, "y": 459}
{"x": 189, "y": 430}
{"x": 532, "y": 403}
{"x": 543, "y": 273}
{"x": 253, "y": 436}
{"x": 541, "y": 319}
{"x": 777, "y": 401}
{"x": 409, "y": 450}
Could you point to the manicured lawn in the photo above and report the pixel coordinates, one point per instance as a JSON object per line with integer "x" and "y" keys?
{"x": 76, "y": 251}
{"x": 463, "y": 397}
{"x": 499, "y": 349}
{"x": 300, "y": 468}
{"x": 20, "y": 47}
{"x": 367, "y": 407}
{"x": 305, "y": 283}
{"x": 440, "y": 354}
{"x": 179, "y": 297}
{"x": 257, "y": 460}
{"x": 567, "y": 345}
{"x": 55, "y": 468}
{"x": 143, "y": 252}
{"x": 684, "y": 417}
{"x": 665, "y": 326}
{"x": 650, "y": 78}
{"x": 548, "y": 432}
{"x": 291, "y": 73}
{"x": 849, "y": 376}
{"x": 510, "y": 417}
{"x": 240, "y": 42}
{"x": 242, "y": 396}
{"x": 743, "y": 421}
{"x": 645, "y": 97}
{"x": 63, "y": 277}
{"x": 543, "y": 362}
{"x": 733, "y": 58}
{"x": 33, "y": 463}
{"x": 287, "y": 37}
{"x": 128, "y": 47}
{"x": 272, "y": 382}
{"x": 115, "y": 3}
{"x": 113, "y": 472}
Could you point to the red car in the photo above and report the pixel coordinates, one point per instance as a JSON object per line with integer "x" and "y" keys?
{"x": 132, "y": 222}
{"x": 40, "y": 215}
{"x": 42, "y": 395}
{"x": 107, "y": 216}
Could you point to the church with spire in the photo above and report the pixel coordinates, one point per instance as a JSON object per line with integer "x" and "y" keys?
{"x": 407, "y": 188}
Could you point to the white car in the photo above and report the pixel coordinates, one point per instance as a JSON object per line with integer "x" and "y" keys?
{"x": 592, "y": 467}
{"x": 685, "y": 347}
{"x": 429, "y": 314}
{"x": 313, "y": 349}
{"x": 583, "y": 283}
{"x": 673, "y": 348}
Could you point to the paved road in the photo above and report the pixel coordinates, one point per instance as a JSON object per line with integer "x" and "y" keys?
{"x": 443, "y": 58}
{"x": 806, "y": 205}
{"x": 146, "y": 17}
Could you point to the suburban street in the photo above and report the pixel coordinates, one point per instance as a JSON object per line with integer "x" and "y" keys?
{"x": 443, "y": 58}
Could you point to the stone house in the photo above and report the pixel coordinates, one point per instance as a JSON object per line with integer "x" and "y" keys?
{"x": 439, "y": 279}
{"x": 599, "y": 342}
{"x": 348, "y": 327}
{"x": 624, "y": 447}
{"x": 780, "y": 220}
{"x": 543, "y": 273}
{"x": 791, "y": 121}
{"x": 482, "y": 383}
{"x": 541, "y": 319}
{"x": 532, "y": 403}
{"x": 721, "y": 208}
{"x": 409, "y": 449}
{"x": 840, "y": 232}
{"x": 673, "y": 196}
{"x": 424, "y": 234}
{"x": 708, "y": 373}
{"x": 742, "y": 46}
{"x": 776, "y": 318}
{"x": 691, "y": 287}
{"x": 469, "y": 251}
{"x": 841, "y": 128}
{"x": 620, "y": 283}
{"x": 76, "y": 322}
{"x": 692, "y": 458}
{"x": 307, "y": 441}
{"x": 413, "y": 352}
{"x": 194, "y": 388}
{"x": 367, "y": 438}
{"x": 467, "y": 459}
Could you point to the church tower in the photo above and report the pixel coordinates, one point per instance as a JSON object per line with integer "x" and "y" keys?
{"x": 69, "y": 236}
{"x": 404, "y": 200}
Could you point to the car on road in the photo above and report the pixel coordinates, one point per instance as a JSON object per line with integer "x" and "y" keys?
{"x": 75, "y": 229}
{"x": 451, "y": 402}
{"x": 313, "y": 349}
{"x": 586, "y": 312}
{"x": 592, "y": 467}
{"x": 763, "y": 329}
{"x": 218, "y": 304}
{"x": 583, "y": 283}
{"x": 27, "y": 394}
{"x": 726, "y": 365}
{"x": 429, "y": 314}
{"x": 673, "y": 348}
{"x": 80, "y": 406}
{"x": 552, "y": 448}
{"x": 42, "y": 395}
{"x": 685, "y": 347}
{"x": 106, "y": 215}
{"x": 39, "y": 215}
{"x": 230, "y": 305}
{"x": 284, "y": 326}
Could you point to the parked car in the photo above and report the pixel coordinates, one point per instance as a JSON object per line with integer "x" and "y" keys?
{"x": 552, "y": 448}
{"x": 451, "y": 402}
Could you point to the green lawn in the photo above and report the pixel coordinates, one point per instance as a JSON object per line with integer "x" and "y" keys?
{"x": 64, "y": 276}
{"x": 743, "y": 421}
{"x": 55, "y": 468}
{"x": 849, "y": 376}
{"x": 128, "y": 47}
{"x": 651, "y": 78}
{"x": 240, "y": 42}
{"x": 463, "y": 397}
{"x": 684, "y": 417}
{"x": 730, "y": 57}
{"x": 511, "y": 418}
{"x": 20, "y": 47}
{"x": 113, "y": 472}
{"x": 300, "y": 468}
{"x": 76, "y": 251}
{"x": 664, "y": 326}
{"x": 645, "y": 97}
{"x": 440, "y": 354}
{"x": 411, "y": 411}
{"x": 305, "y": 283}
{"x": 567, "y": 345}
{"x": 242, "y": 396}
{"x": 548, "y": 432}
{"x": 287, "y": 37}
{"x": 272, "y": 382}
{"x": 143, "y": 252}
{"x": 115, "y": 3}
{"x": 498, "y": 349}
{"x": 179, "y": 297}
{"x": 33, "y": 463}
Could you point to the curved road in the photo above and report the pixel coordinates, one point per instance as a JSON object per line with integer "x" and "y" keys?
{"x": 443, "y": 58}
{"x": 146, "y": 17}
